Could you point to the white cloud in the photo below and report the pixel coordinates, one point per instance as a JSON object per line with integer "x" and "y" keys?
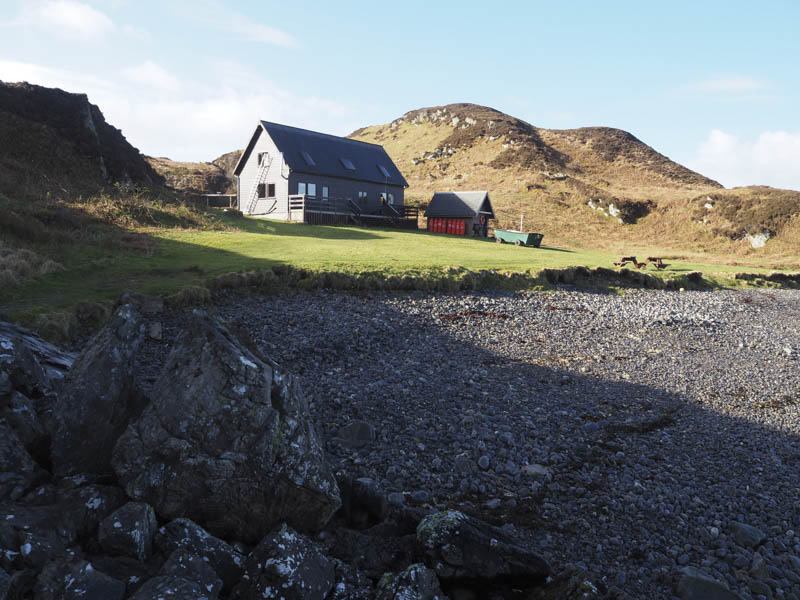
{"x": 222, "y": 18}
{"x": 730, "y": 84}
{"x": 196, "y": 121}
{"x": 153, "y": 75}
{"x": 772, "y": 159}
{"x": 72, "y": 19}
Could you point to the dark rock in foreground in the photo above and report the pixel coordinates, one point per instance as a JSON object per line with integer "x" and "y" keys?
{"x": 99, "y": 398}
{"x": 226, "y": 441}
{"x": 288, "y": 565}
{"x": 129, "y": 531}
{"x": 464, "y": 550}
{"x": 76, "y": 580}
{"x": 417, "y": 582}
{"x": 183, "y": 534}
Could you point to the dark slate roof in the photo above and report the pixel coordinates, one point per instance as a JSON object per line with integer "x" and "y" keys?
{"x": 459, "y": 204}
{"x": 327, "y": 153}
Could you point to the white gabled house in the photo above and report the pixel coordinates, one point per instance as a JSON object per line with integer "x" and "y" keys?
{"x": 295, "y": 174}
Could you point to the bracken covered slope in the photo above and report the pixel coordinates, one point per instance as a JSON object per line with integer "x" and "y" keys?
{"x": 591, "y": 186}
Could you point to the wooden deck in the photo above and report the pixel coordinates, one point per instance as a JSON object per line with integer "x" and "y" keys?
{"x": 315, "y": 211}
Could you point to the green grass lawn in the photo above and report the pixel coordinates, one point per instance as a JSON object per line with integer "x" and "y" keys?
{"x": 177, "y": 258}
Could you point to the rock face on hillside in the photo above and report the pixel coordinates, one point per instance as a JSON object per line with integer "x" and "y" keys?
{"x": 227, "y": 442}
{"x": 55, "y": 116}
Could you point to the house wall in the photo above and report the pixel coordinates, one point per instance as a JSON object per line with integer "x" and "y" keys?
{"x": 348, "y": 189}
{"x": 249, "y": 176}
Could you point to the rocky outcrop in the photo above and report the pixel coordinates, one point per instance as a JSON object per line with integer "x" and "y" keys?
{"x": 99, "y": 398}
{"x": 226, "y": 441}
{"x": 81, "y": 127}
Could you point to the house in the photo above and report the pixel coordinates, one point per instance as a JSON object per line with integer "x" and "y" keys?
{"x": 460, "y": 213}
{"x": 294, "y": 174}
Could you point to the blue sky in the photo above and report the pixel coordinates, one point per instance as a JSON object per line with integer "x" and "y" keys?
{"x": 713, "y": 85}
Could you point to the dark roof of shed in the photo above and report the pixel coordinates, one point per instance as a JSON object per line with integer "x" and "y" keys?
{"x": 326, "y": 152}
{"x": 459, "y": 204}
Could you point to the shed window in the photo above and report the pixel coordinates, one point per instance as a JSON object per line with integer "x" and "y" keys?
{"x": 262, "y": 190}
{"x": 391, "y": 198}
{"x": 312, "y": 189}
{"x": 325, "y": 193}
{"x": 307, "y": 157}
{"x": 383, "y": 171}
{"x": 301, "y": 188}
{"x": 270, "y": 190}
{"x": 362, "y": 194}
{"x": 347, "y": 163}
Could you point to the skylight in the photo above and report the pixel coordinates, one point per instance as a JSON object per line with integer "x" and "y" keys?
{"x": 307, "y": 157}
{"x": 383, "y": 171}
{"x": 347, "y": 163}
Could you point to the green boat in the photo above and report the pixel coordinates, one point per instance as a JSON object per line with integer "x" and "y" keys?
{"x": 518, "y": 238}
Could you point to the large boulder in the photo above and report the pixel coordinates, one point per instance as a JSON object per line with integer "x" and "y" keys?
{"x": 227, "y": 441}
{"x": 99, "y": 398}
{"x": 463, "y": 549}
{"x": 286, "y": 565}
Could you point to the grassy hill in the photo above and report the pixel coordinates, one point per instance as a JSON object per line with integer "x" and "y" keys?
{"x": 215, "y": 177}
{"x": 593, "y": 187}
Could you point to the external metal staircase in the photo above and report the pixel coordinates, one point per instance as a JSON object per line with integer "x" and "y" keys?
{"x": 263, "y": 170}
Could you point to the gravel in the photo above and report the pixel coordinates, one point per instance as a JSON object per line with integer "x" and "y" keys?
{"x": 633, "y": 435}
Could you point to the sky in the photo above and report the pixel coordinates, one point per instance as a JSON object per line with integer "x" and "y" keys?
{"x": 714, "y": 85}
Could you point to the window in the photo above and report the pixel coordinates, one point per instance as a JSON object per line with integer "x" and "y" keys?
{"x": 362, "y": 194}
{"x": 307, "y": 157}
{"x": 270, "y": 190}
{"x": 262, "y": 190}
{"x": 324, "y": 193}
{"x": 391, "y": 198}
{"x": 383, "y": 171}
{"x": 312, "y": 189}
{"x": 301, "y": 189}
{"x": 263, "y": 157}
{"x": 347, "y": 163}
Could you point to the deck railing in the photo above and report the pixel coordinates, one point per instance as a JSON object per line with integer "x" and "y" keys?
{"x": 348, "y": 206}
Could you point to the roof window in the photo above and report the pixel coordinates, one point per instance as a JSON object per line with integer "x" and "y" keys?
{"x": 383, "y": 171}
{"x": 307, "y": 157}
{"x": 347, "y": 163}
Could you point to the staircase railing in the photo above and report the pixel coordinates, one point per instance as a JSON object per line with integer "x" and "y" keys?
{"x": 261, "y": 178}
